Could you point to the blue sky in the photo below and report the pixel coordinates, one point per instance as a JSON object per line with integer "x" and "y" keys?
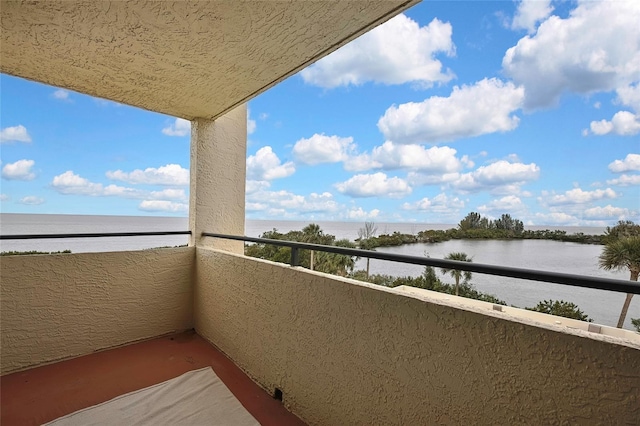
{"x": 528, "y": 108}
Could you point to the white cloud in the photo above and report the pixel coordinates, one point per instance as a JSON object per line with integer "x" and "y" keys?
{"x": 421, "y": 179}
{"x": 630, "y": 96}
{"x": 4, "y": 197}
{"x": 360, "y": 214}
{"x": 169, "y": 194}
{"x": 61, "y": 94}
{"x": 120, "y": 191}
{"x": 630, "y": 163}
{"x": 289, "y": 204}
{"x": 509, "y": 204}
{"x": 320, "y": 148}
{"x": 513, "y": 158}
{"x": 170, "y": 175}
{"x": 499, "y": 177}
{"x": 529, "y": 13}
{"x": 20, "y": 170}
{"x": 441, "y": 203}
{"x": 390, "y": 156}
{"x": 625, "y": 180}
{"x": 607, "y": 212}
{"x": 71, "y": 183}
{"x": 318, "y": 203}
{"x": 577, "y": 196}
{"x": 15, "y": 134}
{"x": 374, "y": 185}
{"x": 256, "y": 185}
{"x": 162, "y": 206}
{"x": 623, "y": 123}
{"x": 180, "y": 127}
{"x": 579, "y": 54}
{"x": 398, "y": 51}
{"x": 266, "y": 165}
{"x": 557, "y": 218}
{"x": 31, "y": 200}
{"x": 255, "y": 207}
{"x": 601, "y": 127}
{"x": 485, "y": 107}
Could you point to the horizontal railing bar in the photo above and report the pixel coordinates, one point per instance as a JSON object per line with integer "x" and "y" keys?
{"x": 91, "y": 235}
{"x": 504, "y": 271}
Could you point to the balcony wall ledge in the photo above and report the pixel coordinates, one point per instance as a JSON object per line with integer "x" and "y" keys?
{"x": 348, "y": 352}
{"x": 523, "y": 316}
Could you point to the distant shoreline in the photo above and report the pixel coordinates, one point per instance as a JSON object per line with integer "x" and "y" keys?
{"x": 257, "y": 226}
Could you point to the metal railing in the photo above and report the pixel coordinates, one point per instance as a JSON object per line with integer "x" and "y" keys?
{"x": 610, "y": 284}
{"x": 504, "y": 271}
{"x": 90, "y": 235}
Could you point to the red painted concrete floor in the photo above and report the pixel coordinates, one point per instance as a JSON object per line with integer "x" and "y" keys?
{"x": 45, "y": 393}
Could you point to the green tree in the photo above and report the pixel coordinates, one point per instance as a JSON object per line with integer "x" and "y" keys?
{"x": 364, "y": 239}
{"x": 620, "y": 254}
{"x": 339, "y": 264}
{"x": 457, "y": 274}
{"x": 624, "y": 228}
{"x": 507, "y": 223}
{"x": 269, "y": 251}
{"x": 432, "y": 281}
{"x": 472, "y": 220}
{"x": 330, "y": 263}
{"x": 312, "y": 234}
{"x": 635, "y": 322}
{"x": 562, "y": 309}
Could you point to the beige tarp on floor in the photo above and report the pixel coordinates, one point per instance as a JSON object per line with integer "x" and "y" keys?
{"x": 195, "y": 398}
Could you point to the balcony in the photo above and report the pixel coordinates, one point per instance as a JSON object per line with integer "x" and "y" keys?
{"x": 336, "y": 351}
{"x": 92, "y": 379}
{"x": 340, "y": 351}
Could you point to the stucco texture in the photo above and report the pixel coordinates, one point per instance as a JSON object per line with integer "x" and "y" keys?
{"x": 190, "y": 59}
{"x": 65, "y": 305}
{"x": 348, "y": 353}
{"x": 218, "y": 175}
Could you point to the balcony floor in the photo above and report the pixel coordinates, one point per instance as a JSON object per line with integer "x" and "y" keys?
{"x": 45, "y": 393}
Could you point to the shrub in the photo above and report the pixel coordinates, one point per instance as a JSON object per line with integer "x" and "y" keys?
{"x": 561, "y": 309}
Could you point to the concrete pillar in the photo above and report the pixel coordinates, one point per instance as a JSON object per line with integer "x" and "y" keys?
{"x": 218, "y": 173}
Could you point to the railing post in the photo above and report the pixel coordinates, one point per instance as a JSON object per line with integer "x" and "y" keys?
{"x": 295, "y": 256}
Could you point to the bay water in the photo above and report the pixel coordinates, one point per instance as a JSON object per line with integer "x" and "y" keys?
{"x": 602, "y": 306}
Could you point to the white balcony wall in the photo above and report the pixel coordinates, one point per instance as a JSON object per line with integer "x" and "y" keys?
{"x": 350, "y": 353}
{"x": 61, "y": 306}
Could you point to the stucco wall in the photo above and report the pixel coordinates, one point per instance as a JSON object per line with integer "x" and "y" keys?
{"x": 217, "y": 183}
{"x": 347, "y": 353}
{"x": 60, "y": 306}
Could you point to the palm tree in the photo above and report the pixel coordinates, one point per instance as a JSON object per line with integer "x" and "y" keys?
{"x": 312, "y": 234}
{"x": 621, "y": 254}
{"x": 339, "y": 264}
{"x": 466, "y": 275}
{"x": 364, "y": 237}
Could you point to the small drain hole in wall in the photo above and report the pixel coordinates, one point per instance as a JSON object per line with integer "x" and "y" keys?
{"x": 277, "y": 394}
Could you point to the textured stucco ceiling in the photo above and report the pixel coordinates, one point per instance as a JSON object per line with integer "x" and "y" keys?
{"x": 187, "y": 59}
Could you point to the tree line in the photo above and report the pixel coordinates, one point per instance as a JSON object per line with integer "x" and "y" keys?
{"x": 330, "y": 263}
{"x": 475, "y": 226}
{"x": 621, "y": 252}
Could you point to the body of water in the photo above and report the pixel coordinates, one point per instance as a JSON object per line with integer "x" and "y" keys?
{"x": 602, "y": 306}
